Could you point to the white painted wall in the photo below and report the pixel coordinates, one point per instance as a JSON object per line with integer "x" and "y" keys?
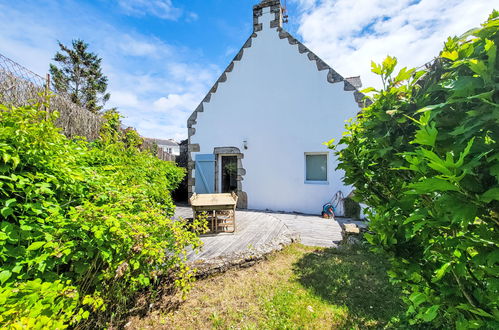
{"x": 277, "y": 100}
{"x": 174, "y": 150}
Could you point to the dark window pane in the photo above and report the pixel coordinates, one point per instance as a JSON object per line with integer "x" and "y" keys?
{"x": 316, "y": 167}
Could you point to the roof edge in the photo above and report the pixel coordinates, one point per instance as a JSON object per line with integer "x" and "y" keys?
{"x": 191, "y": 121}
{"x": 349, "y": 83}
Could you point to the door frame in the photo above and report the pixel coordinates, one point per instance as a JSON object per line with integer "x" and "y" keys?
{"x": 242, "y": 201}
{"x": 218, "y": 168}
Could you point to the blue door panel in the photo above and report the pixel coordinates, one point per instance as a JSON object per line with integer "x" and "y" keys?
{"x": 205, "y": 173}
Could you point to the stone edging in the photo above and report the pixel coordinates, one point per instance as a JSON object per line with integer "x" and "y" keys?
{"x": 275, "y": 7}
{"x": 242, "y": 200}
{"x": 349, "y": 84}
{"x": 192, "y": 118}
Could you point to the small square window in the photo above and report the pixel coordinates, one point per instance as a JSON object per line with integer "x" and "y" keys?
{"x": 316, "y": 168}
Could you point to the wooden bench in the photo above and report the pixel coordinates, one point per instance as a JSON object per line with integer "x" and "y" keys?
{"x": 220, "y": 209}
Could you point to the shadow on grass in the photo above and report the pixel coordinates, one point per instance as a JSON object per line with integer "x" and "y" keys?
{"x": 354, "y": 277}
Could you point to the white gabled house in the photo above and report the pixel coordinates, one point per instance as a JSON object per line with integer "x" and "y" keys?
{"x": 260, "y": 129}
{"x": 169, "y": 146}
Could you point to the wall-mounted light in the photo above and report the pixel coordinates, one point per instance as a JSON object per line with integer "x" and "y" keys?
{"x": 245, "y": 144}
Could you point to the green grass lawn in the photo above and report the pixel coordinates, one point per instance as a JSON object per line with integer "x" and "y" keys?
{"x": 298, "y": 288}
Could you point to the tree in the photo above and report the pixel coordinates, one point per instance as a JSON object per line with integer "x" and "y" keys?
{"x": 424, "y": 158}
{"x": 78, "y": 73}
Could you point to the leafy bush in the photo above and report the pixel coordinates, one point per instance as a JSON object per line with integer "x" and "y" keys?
{"x": 352, "y": 208}
{"x": 424, "y": 156}
{"x": 85, "y": 225}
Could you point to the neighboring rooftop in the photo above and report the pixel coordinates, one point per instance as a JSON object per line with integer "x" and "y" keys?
{"x": 163, "y": 142}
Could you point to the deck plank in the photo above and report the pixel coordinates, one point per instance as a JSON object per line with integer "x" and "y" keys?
{"x": 255, "y": 228}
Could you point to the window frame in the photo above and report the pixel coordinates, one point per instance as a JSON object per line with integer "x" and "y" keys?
{"x": 322, "y": 153}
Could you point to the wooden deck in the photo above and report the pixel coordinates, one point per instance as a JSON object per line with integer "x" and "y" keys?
{"x": 313, "y": 230}
{"x": 258, "y": 229}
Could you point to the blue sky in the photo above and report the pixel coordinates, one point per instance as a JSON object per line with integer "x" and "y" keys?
{"x": 162, "y": 56}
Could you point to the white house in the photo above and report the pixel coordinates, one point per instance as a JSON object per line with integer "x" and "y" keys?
{"x": 169, "y": 146}
{"x": 260, "y": 129}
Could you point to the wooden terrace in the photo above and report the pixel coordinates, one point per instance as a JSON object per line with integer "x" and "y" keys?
{"x": 259, "y": 231}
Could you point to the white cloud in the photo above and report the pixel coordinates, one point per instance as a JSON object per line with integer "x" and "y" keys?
{"x": 157, "y": 85}
{"x": 124, "y": 98}
{"x": 140, "y": 46}
{"x": 177, "y": 101}
{"x": 191, "y": 17}
{"x": 157, "y": 129}
{"x": 349, "y": 34}
{"x": 160, "y": 8}
{"x": 154, "y": 85}
{"x": 160, "y": 104}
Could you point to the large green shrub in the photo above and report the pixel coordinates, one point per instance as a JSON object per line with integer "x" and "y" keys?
{"x": 84, "y": 225}
{"x": 424, "y": 157}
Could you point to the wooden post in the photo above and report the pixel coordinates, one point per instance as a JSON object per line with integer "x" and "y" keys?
{"x": 214, "y": 221}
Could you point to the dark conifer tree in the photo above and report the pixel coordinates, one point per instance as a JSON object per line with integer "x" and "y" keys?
{"x": 78, "y": 73}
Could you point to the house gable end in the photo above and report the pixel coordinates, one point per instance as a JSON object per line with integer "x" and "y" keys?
{"x": 350, "y": 83}
{"x": 260, "y": 29}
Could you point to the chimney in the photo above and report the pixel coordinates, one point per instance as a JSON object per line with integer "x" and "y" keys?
{"x": 267, "y": 15}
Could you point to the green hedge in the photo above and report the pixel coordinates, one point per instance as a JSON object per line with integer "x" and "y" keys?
{"x": 84, "y": 226}
{"x": 424, "y": 157}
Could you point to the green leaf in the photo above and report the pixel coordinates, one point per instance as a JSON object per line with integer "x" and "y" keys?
{"x": 463, "y": 86}
{"x": 329, "y": 144}
{"x": 432, "y": 107}
{"x": 488, "y": 96}
{"x": 475, "y": 310}
{"x": 389, "y": 64}
{"x": 6, "y": 211}
{"x": 404, "y": 74}
{"x": 368, "y": 90}
{"x": 4, "y": 276}
{"x": 426, "y": 135}
{"x": 490, "y": 195}
{"x": 441, "y": 272}
{"x": 478, "y": 67}
{"x": 414, "y": 217}
{"x": 6, "y": 157}
{"x": 417, "y": 298}
{"x": 491, "y": 49}
{"x": 431, "y": 156}
{"x": 17, "y": 269}
{"x": 430, "y": 185}
{"x": 35, "y": 246}
{"x": 465, "y": 153}
{"x": 431, "y": 313}
{"x": 440, "y": 167}
{"x": 453, "y": 55}
{"x": 375, "y": 68}
{"x": 9, "y": 202}
{"x": 15, "y": 161}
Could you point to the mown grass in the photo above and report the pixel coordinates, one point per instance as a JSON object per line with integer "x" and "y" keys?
{"x": 298, "y": 288}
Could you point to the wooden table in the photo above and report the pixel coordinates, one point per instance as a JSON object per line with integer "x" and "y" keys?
{"x": 220, "y": 209}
